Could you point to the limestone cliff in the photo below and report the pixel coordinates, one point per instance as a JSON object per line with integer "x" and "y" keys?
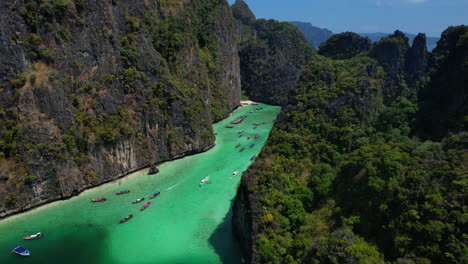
{"x": 272, "y": 56}
{"x": 444, "y": 108}
{"x": 92, "y": 90}
{"x": 403, "y": 64}
{"x": 242, "y": 12}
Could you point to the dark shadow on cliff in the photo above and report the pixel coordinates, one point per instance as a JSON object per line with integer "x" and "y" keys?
{"x": 224, "y": 242}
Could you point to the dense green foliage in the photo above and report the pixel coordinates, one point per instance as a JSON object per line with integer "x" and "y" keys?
{"x": 172, "y": 33}
{"x": 344, "y": 46}
{"x": 341, "y": 180}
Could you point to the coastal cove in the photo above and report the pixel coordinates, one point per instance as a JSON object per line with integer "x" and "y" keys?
{"x": 186, "y": 223}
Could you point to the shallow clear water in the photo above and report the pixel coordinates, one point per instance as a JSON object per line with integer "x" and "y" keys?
{"x": 187, "y": 223}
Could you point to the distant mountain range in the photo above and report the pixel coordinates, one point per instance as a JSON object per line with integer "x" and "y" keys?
{"x": 316, "y": 35}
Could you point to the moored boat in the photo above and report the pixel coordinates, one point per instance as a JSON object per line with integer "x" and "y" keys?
{"x": 234, "y": 174}
{"x": 239, "y": 119}
{"x": 35, "y": 236}
{"x": 125, "y": 219}
{"x": 253, "y": 157}
{"x": 242, "y": 149}
{"x": 21, "y": 251}
{"x": 205, "y": 180}
{"x": 155, "y": 195}
{"x": 249, "y": 137}
{"x": 257, "y": 136}
{"x": 251, "y": 146}
{"x": 145, "y": 206}
{"x": 240, "y": 135}
{"x": 138, "y": 200}
{"x": 100, "y": 199}
{"x": 240, "y": 132}
{"x": 122, "y": 192}
{"x": 228, "y": 126}
{"x": 238, "y": 145}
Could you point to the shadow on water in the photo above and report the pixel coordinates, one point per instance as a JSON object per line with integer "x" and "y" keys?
{"x": 76, "y": 244}
{"x": 223, "y": 241}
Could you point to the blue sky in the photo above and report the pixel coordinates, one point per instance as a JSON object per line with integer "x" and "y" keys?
{"x": 364, "y": 16}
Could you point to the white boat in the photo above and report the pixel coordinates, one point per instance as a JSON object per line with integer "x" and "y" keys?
{"x": 21, "y": 251}
{"x": 35, "y": 236}
{"x": 234, "y": 174}
{"x": 205, "y": 180}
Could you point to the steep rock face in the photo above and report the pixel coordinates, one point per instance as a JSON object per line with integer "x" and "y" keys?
{"x": 272, "y": 61}
{"x": 90, "y": 91}
{"x": 416, "y": 58}
{"x": 246, "y": 211}
{"x": 344, "y": 46}
{"x": 272, "y": 56}
{"x": 444, "y": 99}
{"x": 404, "y": 65}
{"x": 314, "y": 35}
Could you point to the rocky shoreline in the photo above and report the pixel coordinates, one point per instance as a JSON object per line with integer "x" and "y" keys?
{"x": 29, "y": 207}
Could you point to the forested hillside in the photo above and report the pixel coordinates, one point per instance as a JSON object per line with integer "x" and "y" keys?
{"x": 344, "y": 178}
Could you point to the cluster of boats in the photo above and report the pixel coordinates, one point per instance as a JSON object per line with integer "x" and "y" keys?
{"x": 24, "y": 252}
{"x": 128, "y": 217}
{"x": 243, "y": 148}
{"x": 21, "y": 250}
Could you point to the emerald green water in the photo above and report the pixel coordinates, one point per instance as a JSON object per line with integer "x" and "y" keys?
{"x": 187, "y": 223}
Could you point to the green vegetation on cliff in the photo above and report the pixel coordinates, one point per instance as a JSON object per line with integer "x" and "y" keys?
{"x": 343, "y": 179}
{"x": 344, "y": 46}
{"x": 91, "y": 90}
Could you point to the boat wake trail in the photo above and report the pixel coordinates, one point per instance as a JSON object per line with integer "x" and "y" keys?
{"x": 170, "y": 188}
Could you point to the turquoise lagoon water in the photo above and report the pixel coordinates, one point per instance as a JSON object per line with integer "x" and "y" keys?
{"x": 187, "y": 223}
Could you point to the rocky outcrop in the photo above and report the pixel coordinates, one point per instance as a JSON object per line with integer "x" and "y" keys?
{"x": 272, "y": 56}
{"x": 314, "y": 35}
{"x": 416, "y": 58}
{"x": 242, "y": 12}
{"x": 344, "y": 46}
{"x": 403, "y": 64}
{"x": 93, "y": 90}
{"x": 444, "y": 107}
